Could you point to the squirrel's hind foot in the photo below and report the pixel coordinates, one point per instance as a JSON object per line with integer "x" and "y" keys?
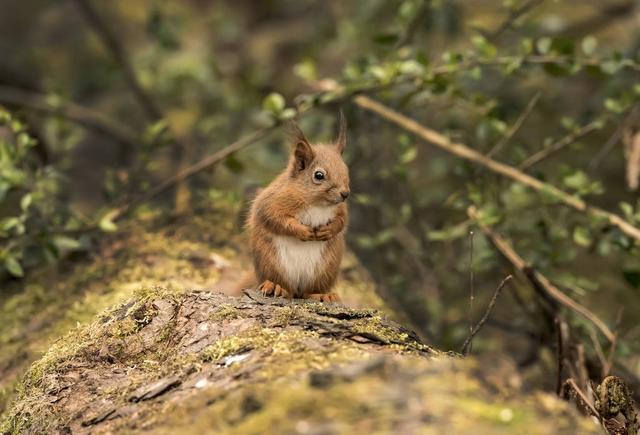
{"x": 324, "y": 297}
{"x": 269, "y": 288}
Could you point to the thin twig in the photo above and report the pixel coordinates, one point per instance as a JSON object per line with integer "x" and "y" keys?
{"x": 605, "y": 151}
{"x": 188, "y": 172}
{"x": 598, "y": 348}
{"x": 560, "y": 338}
{"x": 513, "y": 17}
{"x": 411, "y": 28}
{"x": 516, "y": 125}
{"x": 612, "y": 350}
{"x": 559, "y": 145}
{"x": 537, "y": 279}
{"x": 466, "y": 347}
{"x": 466, "y": 153}
{"x": 119, "y": 54}
{"x": 471, "y": 289}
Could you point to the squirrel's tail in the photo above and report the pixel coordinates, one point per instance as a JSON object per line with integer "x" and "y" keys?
{"x": 233, "y": 286}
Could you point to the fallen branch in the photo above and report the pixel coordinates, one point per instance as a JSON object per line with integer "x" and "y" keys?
{"x": 537, "y": 279}
{"x": 466, "y": 347}
{"x": 81, "y": 115}
{"x": 466, "y": 153}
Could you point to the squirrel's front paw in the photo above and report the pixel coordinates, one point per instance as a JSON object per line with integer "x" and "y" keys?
{"x": 269, "y": 288}
{"x": 324, "y": 233}
{"x": 324, "y": 297}
{"x": 307, "y": 234}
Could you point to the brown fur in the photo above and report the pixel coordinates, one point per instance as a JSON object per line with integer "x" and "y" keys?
{"x": 276, "y": 211}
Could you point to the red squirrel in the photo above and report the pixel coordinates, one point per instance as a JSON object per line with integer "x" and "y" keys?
{"x": 297, "y": 223}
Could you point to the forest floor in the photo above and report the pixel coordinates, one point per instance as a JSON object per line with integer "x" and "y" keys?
{"x": 138, "y": 338}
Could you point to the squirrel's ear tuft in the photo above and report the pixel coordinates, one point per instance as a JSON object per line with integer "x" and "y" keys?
{"x": 341, "y": 141}
{"x": 302, "y": 150}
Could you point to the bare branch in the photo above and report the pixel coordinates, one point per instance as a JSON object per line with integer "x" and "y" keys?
{"x": 466, "y": 153}
{"x": 466, "y": 347}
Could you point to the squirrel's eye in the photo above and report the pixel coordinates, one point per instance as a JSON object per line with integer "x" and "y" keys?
{"x": 318, "y": 175}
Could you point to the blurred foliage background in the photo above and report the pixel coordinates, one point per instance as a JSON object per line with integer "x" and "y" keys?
{"x": 105, "y": 100}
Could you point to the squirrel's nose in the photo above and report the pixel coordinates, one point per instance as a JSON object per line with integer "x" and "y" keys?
{"x": 344, "y": 195}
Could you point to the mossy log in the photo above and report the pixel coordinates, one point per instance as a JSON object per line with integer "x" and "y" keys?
{"x": 203, "y": 362}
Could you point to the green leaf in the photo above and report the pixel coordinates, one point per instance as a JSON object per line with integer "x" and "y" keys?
{"x": 106, "y": 223}
{"x": 627, "y": 210}
{"x": 613, "y": 105}
{"x": 274, "y": 103}
{"x": 234, "y": 165}
{"x": 385, "y": 38}
{"x": 26, "y": 201}
{"x": 582, "y": 237}
{"x": 64, "y": 243}
{"x": 610, "y": 67}
{"x": 632, "y": 276}
{"x": 589, "y": 45}
{"x": 485, "y": 48}
{"x": 288, "y": 113}
{"x": 306, "y": 70}
{"x": 543, "y": 45}
{"x": 409, "y": 155}
{"x": 489, "y": 215}
{"x": 13, "y": 267}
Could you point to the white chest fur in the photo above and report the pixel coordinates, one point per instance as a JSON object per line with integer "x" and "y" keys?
{"x": 301, "y": 260}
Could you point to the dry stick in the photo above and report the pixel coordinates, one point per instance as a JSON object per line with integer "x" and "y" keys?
{"x": 81, "y": 115}
{"x": 516, "y": 126}
{"x": 559, "y": 145}
{"x": 118, "y": 52}
{"x": 203, "y": 164}
{"x": 466, "y": 153}
{"x": 466, "y": 347}
{"x": 538, "y": 280}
